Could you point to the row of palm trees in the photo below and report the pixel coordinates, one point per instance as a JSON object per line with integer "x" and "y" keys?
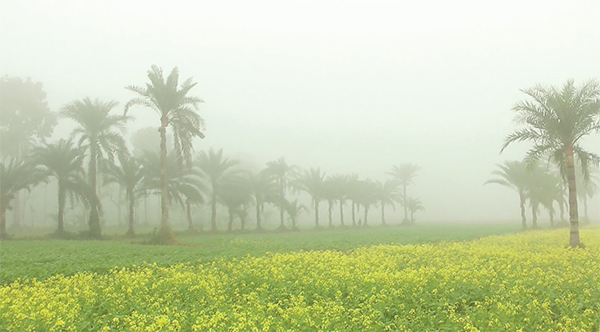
{"x": 540, "y": 186}
{"x": 556, "y": 120}
{"x": 96, "y": 150}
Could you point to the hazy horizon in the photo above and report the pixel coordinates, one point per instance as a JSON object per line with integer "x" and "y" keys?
{"x": 350, "y": 87}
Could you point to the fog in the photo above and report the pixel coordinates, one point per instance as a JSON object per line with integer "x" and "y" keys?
{"x": 350, "y": 87}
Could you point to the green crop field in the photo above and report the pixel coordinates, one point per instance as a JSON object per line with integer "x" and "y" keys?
{"x": 424, "y": 278}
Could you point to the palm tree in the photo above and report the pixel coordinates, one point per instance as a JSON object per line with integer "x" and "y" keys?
{"x": 282, "y": 172}
{"x": 404, "y": 175}
{"x": 386, "y": 194}
{"x": 555, "y": 121}
{"x": 177, "y": 109}
{"x": 14, "y": 177}
{"x": 550, "y": 190}
{"x": 128, "y": 175}
{"x": 414, "y": 205}
{"x": 293, "y": 209}
{"x": 236, "y": 194}
{"x": 367, "y": 197}
{"x": 331, "y": 195}
{"x": 587, "y": 188}
{"x": 215, "y": 168}
{"x": 64, "y": 161}
{"x": 312, "y": 182}
{"x": 99, "y": 134}
{"x": 265, "y": 190}
{"x": 338, "y": 188}
{"x": 353, "y": 192}
{"x": 514, "y": 175}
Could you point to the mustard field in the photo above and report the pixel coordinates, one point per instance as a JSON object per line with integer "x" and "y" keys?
{"x": 520, "y": 282}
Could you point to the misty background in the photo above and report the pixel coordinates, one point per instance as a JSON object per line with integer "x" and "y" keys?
{"x": 347, "y": 86}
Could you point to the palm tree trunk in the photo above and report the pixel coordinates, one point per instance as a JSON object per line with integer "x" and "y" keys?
{"x": 94, "y": 220}
{"x": 164, "y": 184}
{"x": 17, "y": 216}
{"x": 522, "y": 204}
{"x": 316, "y": 213}
{"x": 258, "y": 221}
{"x": 366, "y": 214}
{"x": 341, "y": 213}
{"x": 404, "y": 204}
{"x": 213, "y": 209}
{"x": 551, "y": 215}
{"x": 281, "y": 207}
{"x": 383, "y": 214}
{"x": 188, "y": 212}
{"x": 573, "y": 213}
{"x": 61, "y": 208}
{"x": 561, "y": 205}
{"x": 119, "y": 206}
{"x": 353, "y": 215}
{"x": 243, "y": 223}
{"x": 131, "y": 231}
{"x": 585, "y": 210}
{"x": 534, "y": 224}
{"x": 330, "y": 217}
{"x": 3, "y": 234}
{"x": 230, "y": 224}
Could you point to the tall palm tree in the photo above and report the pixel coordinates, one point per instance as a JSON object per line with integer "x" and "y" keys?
{"x": 128, "y": 174}
{"x": 555, "y": 120}
{"x": 404, "y": 175}
{"x": 282, "y": 172}
{"x": 14, "y": 177}
{"x": 64, "y": 161}
{"x": 265, "y": 190}
{"x": 514, "y": 175}
{"x": 216, "y": 168}
{"x": 414, "y": 205}
{"x": 386, "y": 194}
{"x": 99, "y": 133}
{"x": 312, "y": 182}
{"x": 177, "y": 109}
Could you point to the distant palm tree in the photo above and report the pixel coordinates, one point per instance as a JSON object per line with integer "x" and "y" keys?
{"x": 265, "y": 190}
{"x": 99, "y": 133}
{"x": 414, "y": 205}
{"x": 312, "y": 182}
{"x": 128, "y": 175}
{"x": 236, "y": 194}
{"x": 404, "y": 175}
{"x": 331, "y": 195}
{"x": 177, "y": 109}
{"x": 353, "y": 192}
{"x": 216, "y": 168}
{"x": 514, "y": 175}
{"x": 14, "y": 177}
{"x": 282, "y": 172}
{"x": 587, "y": 188}
{"x": 338, "y": 187}
{"x": 64, "y": 161}
{"x": 293, "y": 209}
{"x": 549, "y": 191}
{"x": 386, "y": 194}
{"x": 555, "y": 121}
{"x": 367, "y": 197}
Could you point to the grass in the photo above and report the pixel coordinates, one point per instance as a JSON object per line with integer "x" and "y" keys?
{"x": 41, "y": 259}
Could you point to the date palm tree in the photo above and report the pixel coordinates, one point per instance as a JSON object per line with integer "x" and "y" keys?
{"x": 216, "y": 168}
{"x": 128, "y": 174}
{"x": 264, "y": 189}
{"x": 404, "y": 175}
{"x": 14, "y": 177}
{"x": 294, "y": 209}
{"x": 236, "y": 194}
{"x": 312, "y": 183}
{"x": 367, "y": 197}
{"x": 282, "y": 172}
{"x": 556, "y": 120}
{"x": 414, "y": 205}
{"x": 331, "y": 194}
{"x": 64, "y": 162}
{"x": 386, "y": 194}
{"x": 177, "y": 110}
{"x": 99, "y": 134}
{"x": 514, "y": 175}
{"x": 338, "y": 185}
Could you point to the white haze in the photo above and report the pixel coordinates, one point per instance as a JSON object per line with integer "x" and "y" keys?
{"x": 348, "y": 86}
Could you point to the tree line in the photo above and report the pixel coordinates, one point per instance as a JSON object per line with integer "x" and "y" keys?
{"x": 96, "y": 154}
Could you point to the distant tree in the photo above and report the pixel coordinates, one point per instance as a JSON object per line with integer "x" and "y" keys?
{"x": 216, "y": 168}
{"x": 128, "y": 174}
{"x": 404, "y": 175}
{"x": 282, "y": 172}
{"x": 64, "y": 162}
{"x": 312, "y": 183}
{"x": 338, "y": 188}
{"x": 14, "y": 177}
{"x": 265, "y": 190}
{"x": 177, "y": 109}
{"x": 413, "y": 205}
{"x": 367, "y": 197}
{"x": 148, "y": 139}
{"x": 236, "y": 194}
{"x": 294, "y": 209}
{"x": 555, "y": 120}
{"x": 514, "y": 175}
{"x": 99, "y": 133}
{"x": 331, "y": 195}
{"x": 386, "y": 194}
{"x": 587, "y": 188}
{"x": 549, "y": 190}
{"x": 26, "y": 120}
{"x": 353, "y": 192}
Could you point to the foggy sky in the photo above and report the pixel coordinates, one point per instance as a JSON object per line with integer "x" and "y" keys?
{"x": 348, "y": 86}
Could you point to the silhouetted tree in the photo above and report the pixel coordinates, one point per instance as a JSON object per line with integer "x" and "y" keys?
{"x": 282, "y": 172}
{"x": 404, "y": 175}
{"x": 312, "y": 182}
{"x": 386, "y": 194}
{"x": 514, "y": 175}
